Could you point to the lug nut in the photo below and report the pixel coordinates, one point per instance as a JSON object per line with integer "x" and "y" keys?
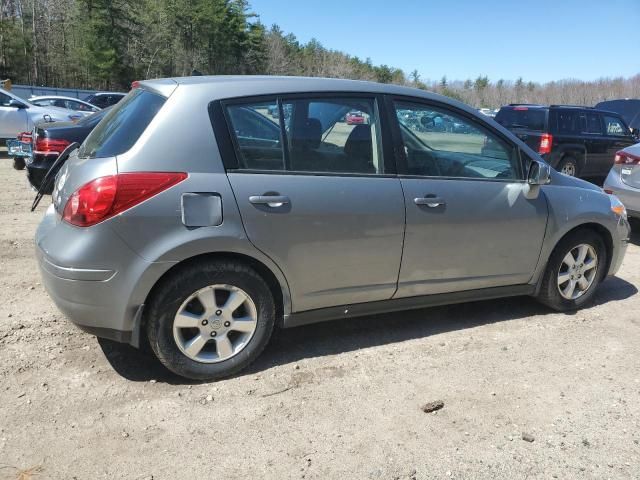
{"x": 218, "y": 312}
{"x": 213, "y": 334}
{"x": 226, "y": 324}
{"x": 205, "y": 322}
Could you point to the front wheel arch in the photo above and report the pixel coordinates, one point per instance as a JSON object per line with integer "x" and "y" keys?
{"x": 595, "y": 227}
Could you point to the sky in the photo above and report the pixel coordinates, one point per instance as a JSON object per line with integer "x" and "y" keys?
{"x": 540, "y": 40}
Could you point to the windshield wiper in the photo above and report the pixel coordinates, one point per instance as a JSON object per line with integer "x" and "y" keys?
{"x": 517, "y": 125}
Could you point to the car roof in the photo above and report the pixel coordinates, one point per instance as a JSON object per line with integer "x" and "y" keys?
{"x": 95, "y": 94}
{"x": 58, "y": 97}
{"x": 229, "y": 86}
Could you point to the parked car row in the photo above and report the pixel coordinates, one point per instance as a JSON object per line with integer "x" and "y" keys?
{"x": 20, "y": 118}
{"x": 263, "y": 217}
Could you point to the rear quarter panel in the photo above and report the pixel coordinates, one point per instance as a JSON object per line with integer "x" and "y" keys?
{"x": 180, "y": 139}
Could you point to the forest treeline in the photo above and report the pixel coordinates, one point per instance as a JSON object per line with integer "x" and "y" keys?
{"x": 106, "y": 44}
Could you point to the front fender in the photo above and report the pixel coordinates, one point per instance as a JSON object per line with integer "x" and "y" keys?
{"x": 572, "y": 203}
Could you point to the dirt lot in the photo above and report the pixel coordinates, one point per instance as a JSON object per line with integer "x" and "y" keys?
{"x": 336, "y": 400}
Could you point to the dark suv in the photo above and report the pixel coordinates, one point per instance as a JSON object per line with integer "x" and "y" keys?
{"x": 577, "y": 141}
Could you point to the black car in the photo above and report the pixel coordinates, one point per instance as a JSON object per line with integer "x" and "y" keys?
{"x": 50, "y": 139}
{"x": 578, "y": 141}
{"x": 104, "y": 99}
{"x": 628, "y": 108}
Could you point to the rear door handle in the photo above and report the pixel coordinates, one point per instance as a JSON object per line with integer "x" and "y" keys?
{"x": 273, "y": 201}
{"x": 431, "y": 202}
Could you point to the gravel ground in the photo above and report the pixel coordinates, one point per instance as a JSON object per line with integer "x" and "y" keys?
{"x": 527, "y": 393}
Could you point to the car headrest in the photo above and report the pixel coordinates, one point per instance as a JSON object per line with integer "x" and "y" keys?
{"x": 358, "y": 143}
{"x": 308, "y": 135}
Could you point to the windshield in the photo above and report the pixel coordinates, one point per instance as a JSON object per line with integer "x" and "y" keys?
{"x": 122, "y": 126}
{"x": 522, "y": 117}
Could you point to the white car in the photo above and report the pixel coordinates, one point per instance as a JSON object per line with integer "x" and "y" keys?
{"x": 70, "y": 103}
{"x": 18, "y": 115}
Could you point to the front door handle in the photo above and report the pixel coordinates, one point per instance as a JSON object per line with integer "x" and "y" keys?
{"x": 273, "y": 201}
{"x": 430, "y": 201}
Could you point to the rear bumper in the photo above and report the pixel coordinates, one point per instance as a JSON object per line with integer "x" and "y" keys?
{"x": 627, "y": 194}
{"x": 105, "y": 301}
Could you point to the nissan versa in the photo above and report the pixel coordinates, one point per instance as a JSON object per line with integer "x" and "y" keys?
{"x": 203, "y": 212}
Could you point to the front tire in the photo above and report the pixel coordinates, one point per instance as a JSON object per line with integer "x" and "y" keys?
{"x": 209, "y": 321}
{"x": 574, "y": 271}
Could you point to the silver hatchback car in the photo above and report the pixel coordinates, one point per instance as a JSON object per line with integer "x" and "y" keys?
{"x": 203, "y": 212}
{"x": 624, "y": 179}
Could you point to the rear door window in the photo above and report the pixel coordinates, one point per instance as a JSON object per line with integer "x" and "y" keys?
{"x": 590, "y": 124}
{"x": 122, "y": 125}
{"x": 568, "y": 122}
{"x": 333, "y": 135}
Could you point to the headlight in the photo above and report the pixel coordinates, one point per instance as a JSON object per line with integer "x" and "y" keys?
{"x": 617, "y": 207}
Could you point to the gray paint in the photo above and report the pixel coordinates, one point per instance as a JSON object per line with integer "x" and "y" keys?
{"x": 340, "y": 240}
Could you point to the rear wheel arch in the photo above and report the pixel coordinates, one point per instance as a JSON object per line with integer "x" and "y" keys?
{"x": 278, "y": 290}
{"x": 577, "y": 155}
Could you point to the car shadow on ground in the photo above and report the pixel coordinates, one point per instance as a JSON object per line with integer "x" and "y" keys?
{"x": 335, "y": 337}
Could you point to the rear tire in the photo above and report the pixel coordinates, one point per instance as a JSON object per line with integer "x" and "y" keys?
{"x": 19, "y": 163}
{"x": 569, "y": 166}
{"x": 559, "y": 276}
{"x": 224, "y": 350}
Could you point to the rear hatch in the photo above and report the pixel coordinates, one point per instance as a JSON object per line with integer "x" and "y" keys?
{"x": 527, "y": 122}
{"x": 116, "y": 133}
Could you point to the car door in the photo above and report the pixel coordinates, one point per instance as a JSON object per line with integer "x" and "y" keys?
{"x": 317, "y": 197}
{"x": 597, "y": 158}
{"x": 470, "y": 224}
{"x": 13, "y": 120}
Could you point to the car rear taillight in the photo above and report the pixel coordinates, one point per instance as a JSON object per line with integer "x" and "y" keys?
{"x": 50, "y": 146}
{"x": 625, "y": 158}
{"x": 106, "y": 197}
{"x": 546, "y": 141}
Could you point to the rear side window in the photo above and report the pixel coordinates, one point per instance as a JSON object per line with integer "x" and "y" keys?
{"x": 590, "y": 123}
{"x": 615, "y": 127}
{"x": 122, "y": 125}
{"x": 568, "y": 122}
{"x": 522, "y": 117}
{"x": 332, "y": 135}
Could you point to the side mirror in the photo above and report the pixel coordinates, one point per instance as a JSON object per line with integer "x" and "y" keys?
{"x": 16, "y": 104}
{"x": 539, "y": 173}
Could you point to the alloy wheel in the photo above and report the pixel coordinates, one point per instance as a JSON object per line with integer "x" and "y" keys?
{"x": 577, "y": 271}
{"x": 569, "y": 168}
{"x": 215, "y": 323}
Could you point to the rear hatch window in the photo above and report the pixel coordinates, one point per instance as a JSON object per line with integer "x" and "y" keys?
{"x": 522, "y": 117}
{"x": 122, "y": 125}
